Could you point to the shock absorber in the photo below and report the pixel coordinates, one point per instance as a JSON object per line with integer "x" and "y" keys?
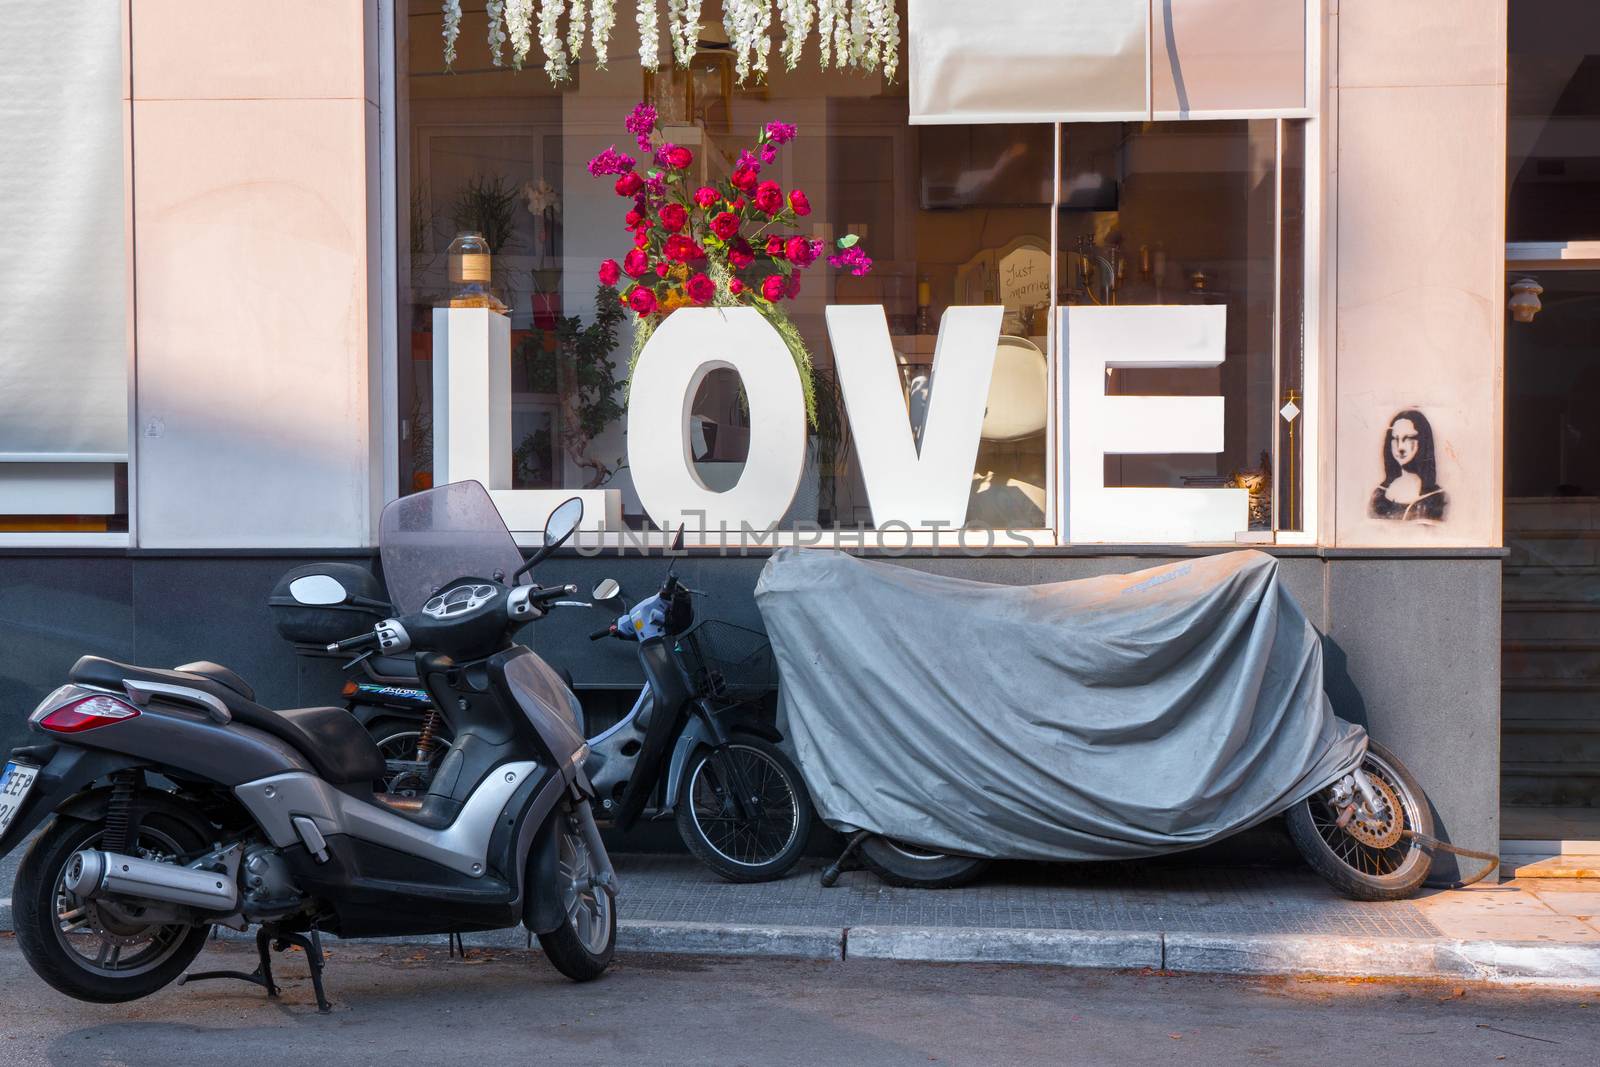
{"x": 119, "y": 812}
{"x": 425, "y": 738}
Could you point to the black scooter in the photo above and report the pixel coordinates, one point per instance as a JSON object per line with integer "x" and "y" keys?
{"x": 176, "y": 802}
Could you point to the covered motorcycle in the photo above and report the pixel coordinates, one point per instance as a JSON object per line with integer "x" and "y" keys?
{"x": 1103, "y": 718}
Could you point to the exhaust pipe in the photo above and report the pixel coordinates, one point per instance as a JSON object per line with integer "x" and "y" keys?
{"x": 92, "y": 873}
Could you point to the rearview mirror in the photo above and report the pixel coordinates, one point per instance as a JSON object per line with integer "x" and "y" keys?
{"x": 317, "y": 589}
{"x": 562, "y": 524}
{"x": 607, "y": 589}
{"x": 563, "y": 521}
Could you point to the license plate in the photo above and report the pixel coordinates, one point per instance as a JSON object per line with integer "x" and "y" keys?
{"x": 14, "y": 786}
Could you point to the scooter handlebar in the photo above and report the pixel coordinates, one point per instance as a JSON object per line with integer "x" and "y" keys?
{"x": 606, "y": 631}
{"x": 350, "y": 644}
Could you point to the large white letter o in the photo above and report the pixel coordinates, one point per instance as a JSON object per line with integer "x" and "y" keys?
{"x": 689, "y": 345}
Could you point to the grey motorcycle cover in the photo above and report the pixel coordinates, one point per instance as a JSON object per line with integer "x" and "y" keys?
{"x": 1119, "y": 716}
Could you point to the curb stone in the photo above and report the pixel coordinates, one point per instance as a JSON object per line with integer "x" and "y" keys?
{"x": 1062, "y": 948}
{"x": 1506, "y": 962}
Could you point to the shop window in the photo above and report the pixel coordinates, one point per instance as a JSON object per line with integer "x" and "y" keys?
{"x": 951, "y": 215}
{"x": 63, "y": 340}
{"x": 1553, "y": 121}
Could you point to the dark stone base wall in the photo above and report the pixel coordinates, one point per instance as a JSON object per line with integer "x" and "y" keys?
{"x": 1413, "y": 643}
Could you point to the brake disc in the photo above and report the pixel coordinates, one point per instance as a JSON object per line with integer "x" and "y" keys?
{"x": 1378, "y": 829}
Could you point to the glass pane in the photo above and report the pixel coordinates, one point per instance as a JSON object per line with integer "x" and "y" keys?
{"x": 1291, "y": 399}
{"x": 1553, "y": 121}
{"x": 948, "y": 215}
{"x": 1553, "y": 390}
{"x": 1190, "y": 219}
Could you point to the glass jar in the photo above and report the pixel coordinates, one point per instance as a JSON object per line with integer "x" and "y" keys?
{"x": 471, "y": 270}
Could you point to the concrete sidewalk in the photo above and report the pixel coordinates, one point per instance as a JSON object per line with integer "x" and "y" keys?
{"x": 1161, "y": 916}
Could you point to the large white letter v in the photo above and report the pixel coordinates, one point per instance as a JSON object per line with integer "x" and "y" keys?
{"x": 930, "y": 486}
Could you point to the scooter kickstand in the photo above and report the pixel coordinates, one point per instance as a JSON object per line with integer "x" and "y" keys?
{"x": 831, "y": 874}
{"x": 261, "y": 976}
{"x": 312, "y": 947}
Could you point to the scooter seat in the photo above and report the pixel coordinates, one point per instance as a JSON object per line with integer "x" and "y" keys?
{"x": 335, "y": 744}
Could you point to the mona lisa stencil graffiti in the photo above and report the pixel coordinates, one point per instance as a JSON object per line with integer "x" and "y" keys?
{"x": 1410, "y": 490}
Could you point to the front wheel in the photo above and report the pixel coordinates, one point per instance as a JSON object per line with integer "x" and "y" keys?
{"x": 104, "y": 950}
{"x": 918, "y": 868}
{"x": 581, "y": 947}
{"x": 764, "y": 839}
{"x": 1367, "y": 854}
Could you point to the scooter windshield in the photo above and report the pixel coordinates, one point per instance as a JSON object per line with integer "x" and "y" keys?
{"x": 429, "y": 540}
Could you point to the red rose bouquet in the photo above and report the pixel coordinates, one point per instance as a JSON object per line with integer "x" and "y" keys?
{"x": 728, "y": 243}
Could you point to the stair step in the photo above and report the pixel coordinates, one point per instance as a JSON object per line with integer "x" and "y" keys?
{"x": 1519, "y": 623}
{"x": 1549, "y": 867}
{"x": 1554, "y": 660}
{"x": 1543, "y": 513}
{"x": 1576, "y": 548}
{"x": 1575, "y": 783}
{"x": 1559, "y": 742}
{"x": 1551, "y": 685}
{"x": 1546, "y": 703}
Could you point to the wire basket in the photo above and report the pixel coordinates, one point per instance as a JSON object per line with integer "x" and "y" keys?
{"x": 727, "y": 662}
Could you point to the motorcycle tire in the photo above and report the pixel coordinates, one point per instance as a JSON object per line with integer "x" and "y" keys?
{"x": 1372, "y": 861}
{"x": 914, "y": 867}
{"x": 581, "y": 947}
{"x": 719, "y": 839}
{"x": 62, "y": 957}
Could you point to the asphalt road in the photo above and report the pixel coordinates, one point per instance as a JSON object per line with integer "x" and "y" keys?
{"x": 405, "y": 1005}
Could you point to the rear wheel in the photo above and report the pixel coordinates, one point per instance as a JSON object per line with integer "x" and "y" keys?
{"x": 769, "y": 839}
{"x": 915, "y": 867}
{"x": 397, "y": 740}
{"x": 1369, "y": 856}
{"x": 101, "y": 950}
{"x": 581, "y": 948}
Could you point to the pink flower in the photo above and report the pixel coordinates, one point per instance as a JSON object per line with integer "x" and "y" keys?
{"x": 744, "y": 178}
{"x": 610, "y": 272}
{"x": 798, "y": 201}
{"x": 632, "y": 218}
{"x": 700, "y": 289}
{"x": 725, "y": 225}
{"x": 641, "y": 122}
{"x": 705, "y": 196}
{"x": 641, "y": 238}
{"x": 663, "y": 269}
{"x": 675, "y": 156}
{"x": 636, "y": 264}
{"x": 775, "y": 247}
{"x": 629, "y": 184}
{"x": 642, "y": 299}
{"x": 852, "y": 259}
{"x": 773, "y": 287}
{"x": 673, "y": 217}
{"x": 769, "y": 154}
{"x": 769, "y": 197}
{"x": 735, "y": 286}
{"x": 792, "y": 290}
{"x": 799, "y": 251}
{"x": 781, "y": 132}
{"x": 610, "y": 162}
{"x": 741, "y": 255}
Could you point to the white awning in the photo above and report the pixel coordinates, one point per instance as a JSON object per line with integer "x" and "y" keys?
{"x": 63, "y": 345}
{"x": 1104, "y": 60}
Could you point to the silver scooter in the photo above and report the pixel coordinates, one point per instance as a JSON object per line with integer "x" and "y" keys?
{"x": 177, "y": 802}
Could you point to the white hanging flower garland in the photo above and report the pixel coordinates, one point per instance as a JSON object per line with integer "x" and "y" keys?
{"x": 452, "y": 30}
{"x": 576, "y": 17}
{"x": 683, "y": 25}
{"x": 649, "y": 36}
{"x": 851, "y": 34}
{"x": 555, "y": 52}
{"x": 602, "y": 16}
{"x": 519, "y": 25}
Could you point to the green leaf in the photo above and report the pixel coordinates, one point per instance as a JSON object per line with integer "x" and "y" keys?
{"x": 847, "y": 240}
